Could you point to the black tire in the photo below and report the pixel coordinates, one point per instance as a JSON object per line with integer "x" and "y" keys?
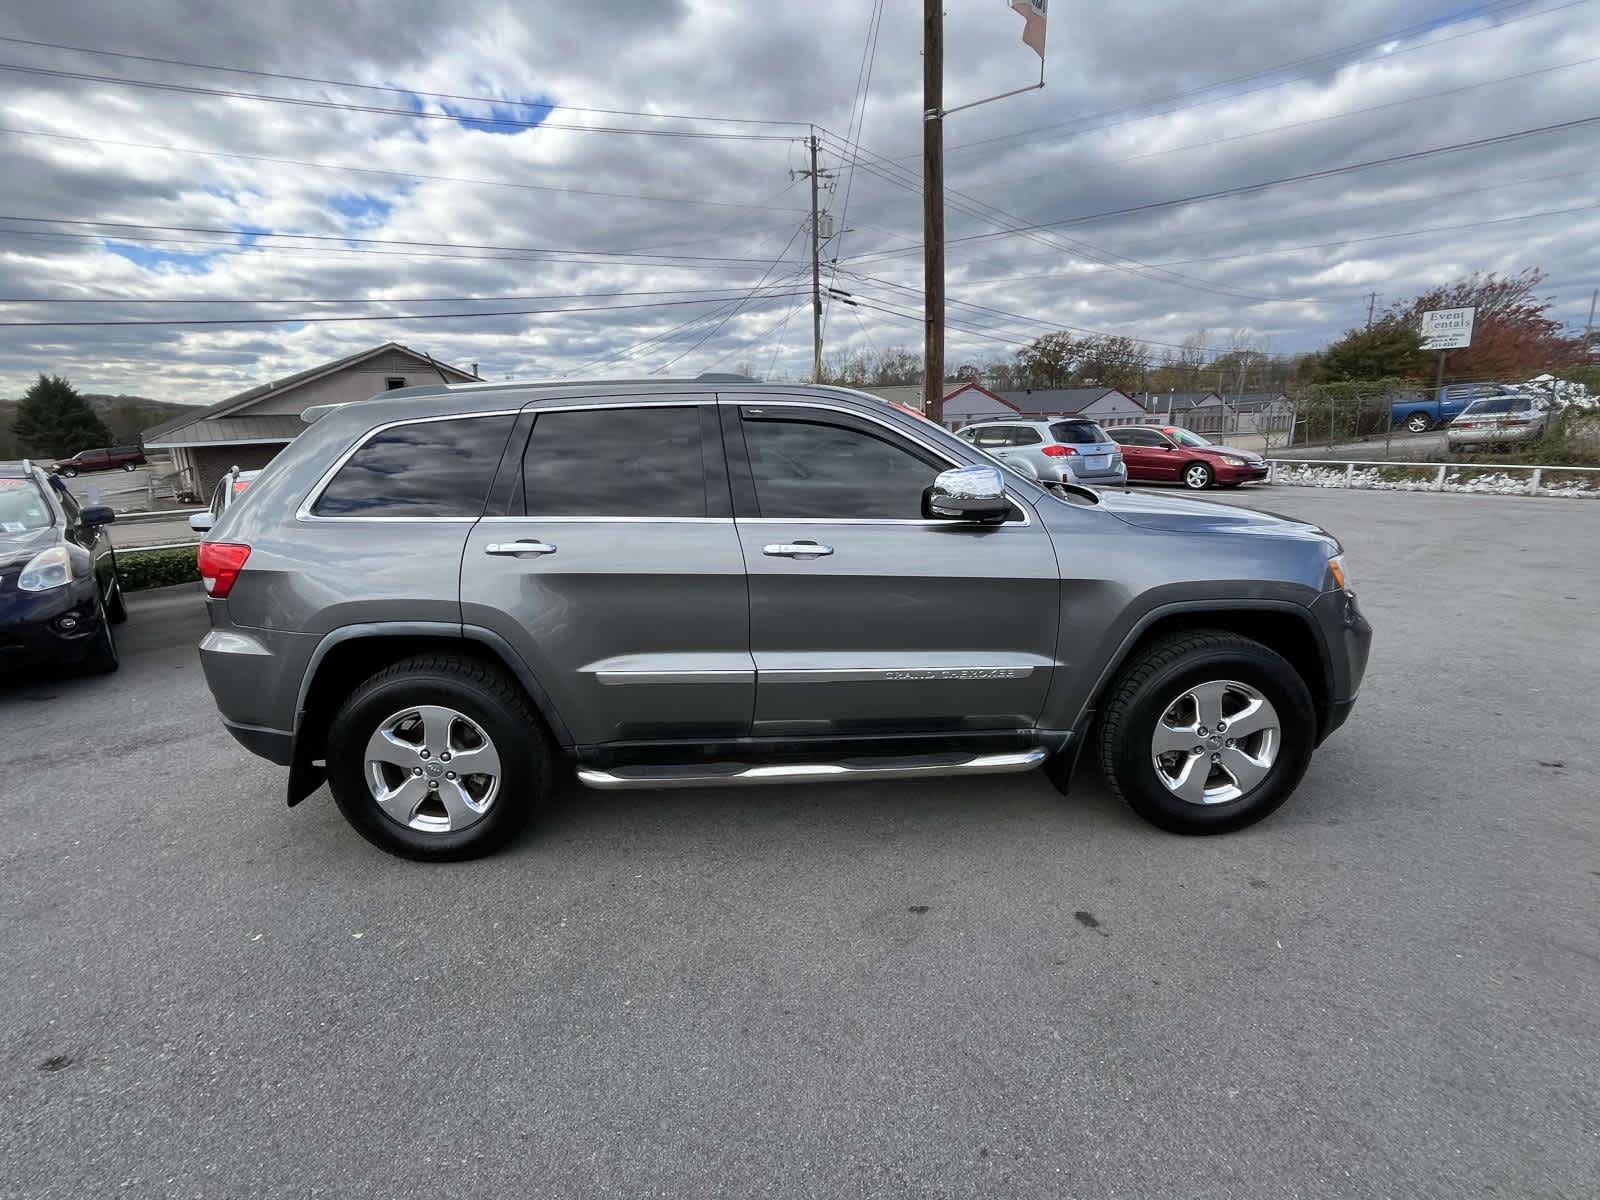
{"x": 128, "y": 466}
{"x": 1197, "y": 476}
{"x": 486, "y": 696}
{"x": 101, "y": 658}
{"x": 1418, "y": 423}
{"x": 1155, "y": 677}
{"x": 68, "y": 473}
{"x": 116, "y": 606}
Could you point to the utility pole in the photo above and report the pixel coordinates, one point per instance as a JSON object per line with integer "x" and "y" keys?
{"x": 1588, "y": 329}
{"x": 816, "y": 273}
{"x": 933, "y": 207}
{"x": 1372, "y": 303}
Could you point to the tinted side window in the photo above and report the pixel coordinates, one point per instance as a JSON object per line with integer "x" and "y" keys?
{"x": 1022, "y": 435}
{"x": 804, "y": 469}
{"x": 992, "y": 435}
{"x": 429, "y": 469}
{"x": 616, "y": 462}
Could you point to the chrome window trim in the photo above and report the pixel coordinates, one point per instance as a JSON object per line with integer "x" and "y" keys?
{"x": 304, "y": 513}
{"x": 537, "y": 520}
{"x": 938, "y": 452}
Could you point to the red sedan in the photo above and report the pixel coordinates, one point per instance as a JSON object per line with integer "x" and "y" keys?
{"x": 1167, "y": 454}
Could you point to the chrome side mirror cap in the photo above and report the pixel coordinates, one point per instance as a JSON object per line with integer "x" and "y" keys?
{"x": 975, "y": 493}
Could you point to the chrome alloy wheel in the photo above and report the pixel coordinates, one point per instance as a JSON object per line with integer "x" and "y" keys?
{"x": 1215, "y": 742}
{"x": 1197, "y": 477}
{"x": 432, "y": 769}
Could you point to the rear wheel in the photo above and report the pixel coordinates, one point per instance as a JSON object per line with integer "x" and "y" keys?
{"x": 438, "y": 758}
{"x": 1206, "y": 732}
{"x": 128, "y": 466}
{"x": 1197, "y": 477}
{"x": 69, "y": 472}
{"x": 1418, "y": 423}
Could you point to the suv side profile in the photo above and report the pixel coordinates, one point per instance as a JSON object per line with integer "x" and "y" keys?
{"x": 433, "y": 599}
{"x": 1060, "y": 450}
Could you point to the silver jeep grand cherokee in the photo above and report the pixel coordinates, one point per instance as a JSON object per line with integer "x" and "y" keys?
{"x": 434, "y": 599}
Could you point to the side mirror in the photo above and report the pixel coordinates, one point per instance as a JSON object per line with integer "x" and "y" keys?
{"x": 201, "y": 522}
{"x": 967, "y": 494}
{"x": 97, "y": 514}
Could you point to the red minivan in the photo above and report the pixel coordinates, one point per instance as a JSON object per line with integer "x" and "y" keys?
{"x": 1167, "y": 454}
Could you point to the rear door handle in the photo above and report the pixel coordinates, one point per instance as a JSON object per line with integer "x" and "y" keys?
{"x": 517, "y": 549}
{"x": 797, "y": 550}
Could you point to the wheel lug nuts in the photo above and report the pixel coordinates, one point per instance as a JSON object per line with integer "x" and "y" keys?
{"x": 416, "y": 770}
{"x": 1230, "y": 743}
{"x": 433, "y": 785}
{"x": 424, "y": 753}
{"x": 445, "y": 756}
{"x": 1216, "y": 758}
{"x": 449, "y": 774}
{"x": 1201, "y": 731}
{"x": 1199, "y": 749}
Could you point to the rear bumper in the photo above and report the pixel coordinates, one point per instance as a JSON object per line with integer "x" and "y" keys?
{"x": 1111, "y": 477}
{"x": 1489, "y": 436}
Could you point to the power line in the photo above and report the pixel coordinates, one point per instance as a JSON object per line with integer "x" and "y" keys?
{"x": 395, "y": 91}
{"x": 385, "y": 110}
{"x": 322, "y": 251}
{"x": 712, "y": 332}
{"x": 346, "y": 238}
{"x": 853, "y": 130}
{"x": 1338, "y": 116}
{"x": 354, "y": 299}
{"x": 324, "y": 166}
{"x": 1378, "y": 43}
{"x": 1243, "y": 189}
{"x": 319, "y": 320}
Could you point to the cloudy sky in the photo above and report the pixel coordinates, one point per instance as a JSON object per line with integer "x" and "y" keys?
{"x": 478, "y": 172}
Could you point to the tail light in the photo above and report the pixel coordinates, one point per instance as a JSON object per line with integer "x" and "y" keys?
{"x": 1518, "y": 421}
{"x": 220, "y": 564}
{"x": 1059, "y": 451}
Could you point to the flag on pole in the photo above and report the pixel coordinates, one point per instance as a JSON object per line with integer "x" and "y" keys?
{"x": 1033, "y": 17}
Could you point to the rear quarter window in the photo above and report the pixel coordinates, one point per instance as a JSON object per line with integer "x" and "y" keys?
{"x": 1078, "y": 432}
{"x": 425, "y": 469}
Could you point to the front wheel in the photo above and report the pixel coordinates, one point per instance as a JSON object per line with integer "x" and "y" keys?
{"x": 68, "y": 473}
{"x": 1206, "y": 732}
{"x": 1197, "y": 477}
{"x": 1418, "y": 423}
{"x": 128, "y": 466}
{"x": 438, "y": 758}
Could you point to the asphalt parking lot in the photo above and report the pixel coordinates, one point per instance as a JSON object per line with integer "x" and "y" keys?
{"x": 975, "y": 988}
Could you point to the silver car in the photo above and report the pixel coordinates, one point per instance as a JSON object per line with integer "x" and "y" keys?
{"x": 1498, "y": 420}
{"x": 435, "y": 600}
{"x": 1060, "y": 450}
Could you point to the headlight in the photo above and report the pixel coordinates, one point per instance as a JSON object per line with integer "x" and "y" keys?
{"x": 48, "y": 569}
{"x": 1341, "y": 573}
{"x": 1233, "y": 462}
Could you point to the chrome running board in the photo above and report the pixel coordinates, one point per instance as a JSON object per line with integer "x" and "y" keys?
{"x": 717, "y": 774}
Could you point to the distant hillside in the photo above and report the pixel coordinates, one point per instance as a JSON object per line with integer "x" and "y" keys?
{"x": 126, "y": 416}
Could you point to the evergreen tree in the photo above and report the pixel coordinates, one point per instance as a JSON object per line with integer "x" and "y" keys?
{"x": 53, "y": 421}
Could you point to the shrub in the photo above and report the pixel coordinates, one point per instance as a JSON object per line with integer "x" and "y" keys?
{"x": 140, "y": 569}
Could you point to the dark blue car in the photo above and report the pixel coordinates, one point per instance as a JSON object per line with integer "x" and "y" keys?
{"x": 59, "y": 591}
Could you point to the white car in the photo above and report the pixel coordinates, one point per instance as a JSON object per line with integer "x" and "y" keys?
{"x": 228, "y": 489}
{"x": 1498, "y": 420}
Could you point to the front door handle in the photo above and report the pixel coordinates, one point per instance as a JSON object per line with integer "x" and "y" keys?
{"x": 517, "y": 549}
{"x": 797, "y": 550}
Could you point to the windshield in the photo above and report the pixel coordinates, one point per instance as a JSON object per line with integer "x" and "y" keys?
{"x": 1077, "y": 433}
{"x": 1187, "y": 437}
{"x": 1497, "y": 404}
{"x": 23, "y": 507}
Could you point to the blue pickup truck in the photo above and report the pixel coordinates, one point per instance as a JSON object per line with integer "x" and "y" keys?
{"x": 1421, "y": 411}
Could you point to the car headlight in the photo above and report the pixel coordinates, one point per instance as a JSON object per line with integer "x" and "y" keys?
{"x": 1233, "y": 462}
{"x": 48, "y": 569}
{"x": 1340, "y": 570}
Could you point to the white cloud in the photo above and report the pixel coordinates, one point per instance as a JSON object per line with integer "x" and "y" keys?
{"x": 1252, "y": 261}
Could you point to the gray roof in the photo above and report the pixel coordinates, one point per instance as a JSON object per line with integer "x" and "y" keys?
{"x": 177, "y": 432}
{"x": 275, "y": 428}
{"x": 1057, "y": 400}
{"x": 1181, "y": 401}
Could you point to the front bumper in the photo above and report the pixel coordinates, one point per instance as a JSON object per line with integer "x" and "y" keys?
{"x": 1249, "y": 473}
{"x": 55, "y": 626}
{"x": 1347, "y": 636}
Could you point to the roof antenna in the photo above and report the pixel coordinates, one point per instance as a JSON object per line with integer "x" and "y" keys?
{"x": 443, "y": 378}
